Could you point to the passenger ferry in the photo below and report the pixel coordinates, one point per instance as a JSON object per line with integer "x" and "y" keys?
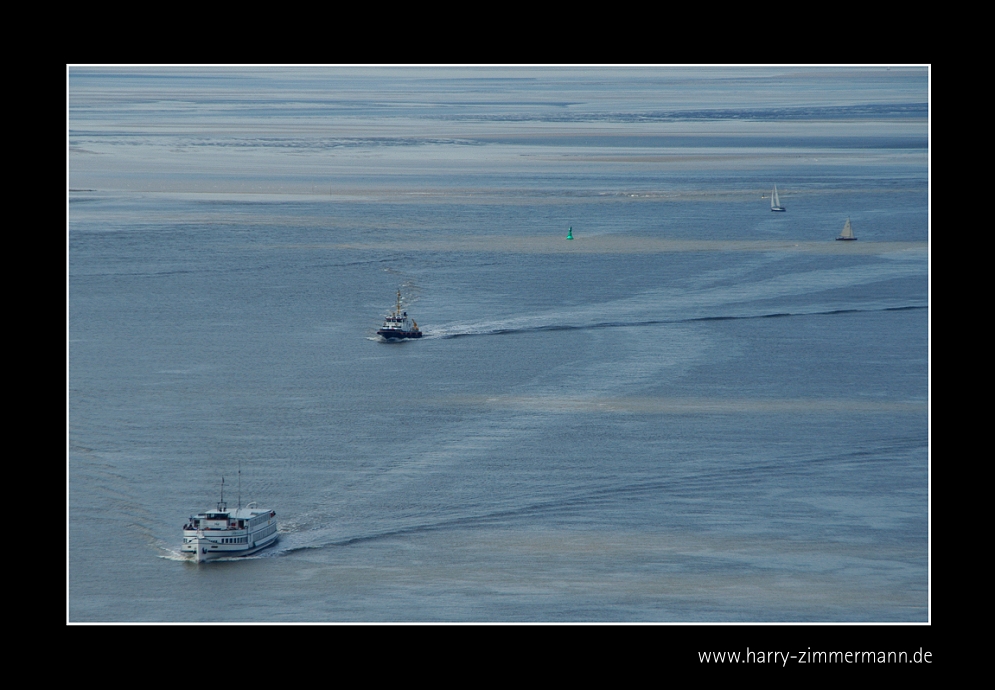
{"x": 224, "y": 533}
{"x": 397, "y": 325}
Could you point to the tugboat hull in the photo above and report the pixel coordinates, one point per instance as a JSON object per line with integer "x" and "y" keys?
{"x": 397, "y": 335}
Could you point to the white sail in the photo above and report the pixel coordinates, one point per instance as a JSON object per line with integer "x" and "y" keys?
{"x": 775, "y": 202}
{"x": 847, "y": 233}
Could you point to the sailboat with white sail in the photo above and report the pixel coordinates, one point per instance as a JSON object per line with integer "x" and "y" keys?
{"x": 847, "y": 233}
{"x": 775, "y": 203}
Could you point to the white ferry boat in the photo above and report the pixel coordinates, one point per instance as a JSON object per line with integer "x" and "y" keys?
{"x": 397, "y": 325}
{"x": 224, "y": 533}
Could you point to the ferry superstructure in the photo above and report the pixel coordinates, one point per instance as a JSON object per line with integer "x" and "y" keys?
{"x": 224, "y": 533}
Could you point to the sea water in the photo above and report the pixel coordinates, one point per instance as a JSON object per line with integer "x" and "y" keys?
{"x": 694, "y": 410}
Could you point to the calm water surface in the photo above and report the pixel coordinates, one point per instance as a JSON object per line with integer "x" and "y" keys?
{"x": 696, "y": 410}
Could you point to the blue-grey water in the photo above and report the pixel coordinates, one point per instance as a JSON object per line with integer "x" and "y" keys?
{"x": 696, "y": 410}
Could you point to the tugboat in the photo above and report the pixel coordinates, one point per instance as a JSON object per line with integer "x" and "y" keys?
{"x": 397, "y": 325}
{"x": 225, "y": 533}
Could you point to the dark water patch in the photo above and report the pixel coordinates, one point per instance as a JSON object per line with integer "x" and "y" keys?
{"x": 866, "y": 111}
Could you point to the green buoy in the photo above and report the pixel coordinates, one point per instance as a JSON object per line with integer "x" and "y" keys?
{"x": 570, "y": 233}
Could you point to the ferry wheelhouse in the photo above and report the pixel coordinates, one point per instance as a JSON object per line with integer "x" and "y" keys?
{"x": 224, "y": 533}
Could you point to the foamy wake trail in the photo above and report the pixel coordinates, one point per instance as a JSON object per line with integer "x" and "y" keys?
{"x": 726, "y": 301}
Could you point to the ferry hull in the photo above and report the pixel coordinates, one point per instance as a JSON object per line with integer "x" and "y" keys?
{"x": 224, "y": 533}
{"x": 207, "y": 550}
